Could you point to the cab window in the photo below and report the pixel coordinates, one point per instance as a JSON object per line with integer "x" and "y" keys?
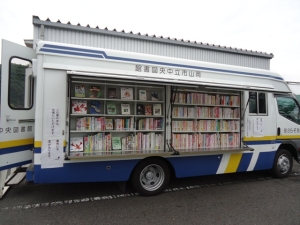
{"x": 289, "y": 109}
{"x": 20, "y": 84}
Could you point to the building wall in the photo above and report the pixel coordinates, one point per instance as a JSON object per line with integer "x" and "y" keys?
{"x": 127, "y": 42}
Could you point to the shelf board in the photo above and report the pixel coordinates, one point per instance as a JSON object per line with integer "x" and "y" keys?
{"x": 94, "y": 115}
{"x": 116, "y": 115}
{"x": 184, "y": 132}
{"x": 99, "y": 131}
{"x": 232, "y": 131}
{"x": 150, "y": 101}
{"x": 207, "y": 105}
{"x": 166, "y": 153}
{"x": 115, "y": 153}
{"x": 161, "y": 116}
{"x": 119, "y": 100}
{"x": 115, "y": 100}
{"x": 183, "y": 151}
{"x": 198, "y": 118}
{"x": 88, "y": 99}
{"x": 149, "y": 130}
{"x": 113, "y": 131}
{"x": 136, "y": 131}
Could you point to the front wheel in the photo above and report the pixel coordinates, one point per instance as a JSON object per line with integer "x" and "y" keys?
{"x": 283, "y": 163}
{"x": 150, "y": 177}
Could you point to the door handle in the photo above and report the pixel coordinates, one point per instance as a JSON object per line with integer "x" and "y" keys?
{"x": 20, "y": 121}
{"x": 26, "y": 120}
{"x": 278, "y": 131}
{"x": 8, "y": 119}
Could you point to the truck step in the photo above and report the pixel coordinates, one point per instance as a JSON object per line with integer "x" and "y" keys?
{"x": 16, "y": 179}
{"x": 17, "y": 176}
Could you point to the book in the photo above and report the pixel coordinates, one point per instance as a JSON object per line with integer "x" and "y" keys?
{"x": 112, "y": 93}
{"x": 116, "y": 143}
{"x": 95, "y": 92}
{"x": 126, "y": 93}
{"x": 125, "y": 108}
{"x": 148, "y": 110}
{"x": 109, "y": 124}
{"x": 140, "y": 109}
{"x": 79, "y": 91}
{"x": 111, "y": 108}
{"x": 157, "y": 109}
{"x": 154, "y": 96}
{"x": 86, "y": 144}
{"x": 95, "y": 107}
{"x": 79, "y": 107}
{"x": 142, "y": 95}
{"x": 76, "y": 144}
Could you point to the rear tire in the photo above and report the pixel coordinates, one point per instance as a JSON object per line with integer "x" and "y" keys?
{"x": 283, "y": 163}
{"x": 150, "y": 177}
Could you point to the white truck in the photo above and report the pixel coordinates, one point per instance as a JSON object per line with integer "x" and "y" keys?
{"x": 83, "y": 114}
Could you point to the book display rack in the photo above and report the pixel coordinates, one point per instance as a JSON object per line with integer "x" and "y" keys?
{"x": 109, "y": 117}
{"x": 205, "y": 120}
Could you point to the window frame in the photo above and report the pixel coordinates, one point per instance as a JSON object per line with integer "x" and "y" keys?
{"x": 31, "y": 85}
{"x": 257, "y": 103}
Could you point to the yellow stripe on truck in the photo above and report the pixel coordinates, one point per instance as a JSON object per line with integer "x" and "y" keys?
{"x": 38, "y": 144}
{"x": 233, "y": 163}
{"x": 264, "y": 138}
{"x": 15, "y": 143}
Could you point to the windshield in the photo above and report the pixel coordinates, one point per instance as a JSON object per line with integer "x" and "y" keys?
{"x": 289, "y": 108}
{"x": 298, "y": 98}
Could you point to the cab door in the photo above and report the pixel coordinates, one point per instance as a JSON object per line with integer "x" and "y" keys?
{"x": 17, "y": 106}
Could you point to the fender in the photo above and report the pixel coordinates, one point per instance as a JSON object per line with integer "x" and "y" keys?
{"x": 295, "y": 147}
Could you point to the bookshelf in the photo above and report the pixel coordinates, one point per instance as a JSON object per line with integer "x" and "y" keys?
{"x": 205, "y": 120}
{"x": 110, "y": 117}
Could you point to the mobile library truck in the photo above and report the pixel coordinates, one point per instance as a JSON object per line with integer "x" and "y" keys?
{"x": 83, "y": 114}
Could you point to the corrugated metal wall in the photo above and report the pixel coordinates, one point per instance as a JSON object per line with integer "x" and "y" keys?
{"x": 295, "y": 88}
{"x": 117, "y": 42}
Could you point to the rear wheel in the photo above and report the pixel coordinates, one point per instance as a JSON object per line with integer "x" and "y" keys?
{"x": 283, "y": 163}
{"x": 150, "y": 177}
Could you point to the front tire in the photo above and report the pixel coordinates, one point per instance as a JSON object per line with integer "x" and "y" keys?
{"x": 283, "y": 163}
{"x": 150, "y": 177}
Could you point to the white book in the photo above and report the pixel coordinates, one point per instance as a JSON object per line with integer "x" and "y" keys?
{"x": 125, "y": 109}
{"x": 190, "y": 113}
{"x": 124, "y": 147}
{"x": 127, "y": 93}
{"x": 79, "y": 107}
{"x": 76, "y": 144}
{"x": 157, "y": 110}
{"x": 147, "y": 124}
{"x": 156, "y": 141}
{"x": 148, "y": 142}
{"x": 142, "y": 95}
{"x": 152, "y": 140}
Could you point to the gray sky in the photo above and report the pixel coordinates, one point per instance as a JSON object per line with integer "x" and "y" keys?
{"x": 271, "y": 26}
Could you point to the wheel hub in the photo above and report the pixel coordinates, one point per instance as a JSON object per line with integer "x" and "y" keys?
{"x": 149, "y": 175}
{"x": 283, "y": 164}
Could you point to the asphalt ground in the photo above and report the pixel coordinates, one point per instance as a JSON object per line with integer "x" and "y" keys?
{"x": 240, "y": 198}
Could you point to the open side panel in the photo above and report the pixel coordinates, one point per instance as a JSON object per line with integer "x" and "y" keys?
{"x": 17, "y": 106}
